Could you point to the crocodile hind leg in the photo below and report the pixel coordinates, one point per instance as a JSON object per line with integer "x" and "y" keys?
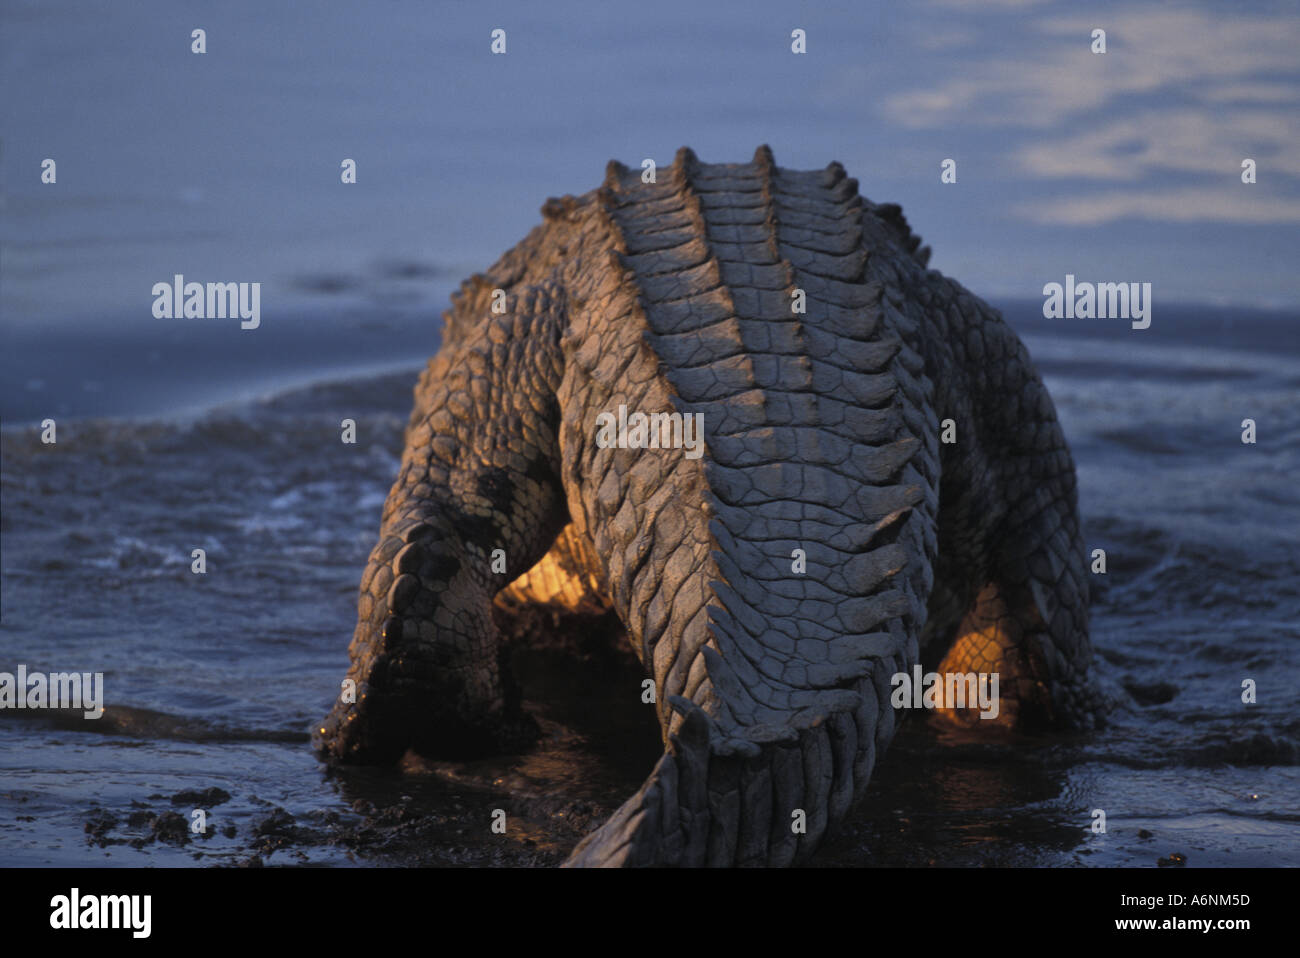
{"x": 1011, "y": 583}
{"x": 478, "y": 501}
{"x": 1028, "y": 625}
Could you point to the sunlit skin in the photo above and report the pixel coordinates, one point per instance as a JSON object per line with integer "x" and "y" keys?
{"x": 800, "y": 323}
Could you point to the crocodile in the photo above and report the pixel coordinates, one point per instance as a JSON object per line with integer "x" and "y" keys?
{"x": 884, "y": 484}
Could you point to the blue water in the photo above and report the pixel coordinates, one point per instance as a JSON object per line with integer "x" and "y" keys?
{"x": 175, "y": 435}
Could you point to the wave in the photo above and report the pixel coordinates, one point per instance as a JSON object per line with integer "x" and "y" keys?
{"x": 150, "y": 724}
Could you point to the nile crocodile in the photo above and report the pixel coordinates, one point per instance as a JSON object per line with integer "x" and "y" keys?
{"x": 883, "y": 482}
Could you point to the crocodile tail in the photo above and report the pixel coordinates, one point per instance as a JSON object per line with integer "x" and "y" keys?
{"x": 666, "y": 822}
{"x": 773, "y": 682}
{"x": 766, "y": 797}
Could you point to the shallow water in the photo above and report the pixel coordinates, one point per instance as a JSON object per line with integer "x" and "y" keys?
{"x": 213, "y": 681}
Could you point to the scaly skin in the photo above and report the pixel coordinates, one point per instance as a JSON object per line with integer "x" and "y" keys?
{"x": 822, "y": 433}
